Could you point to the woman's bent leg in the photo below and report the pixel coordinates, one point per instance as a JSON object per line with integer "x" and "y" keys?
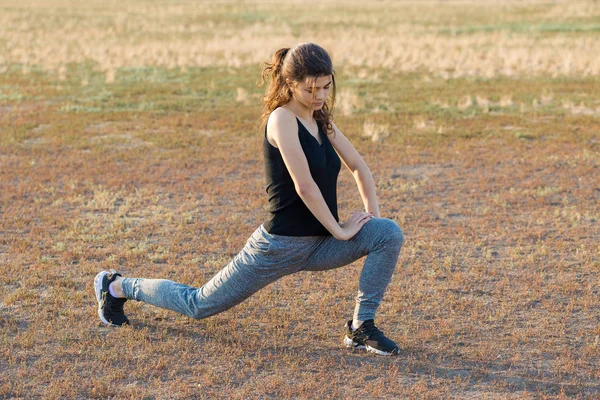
{"x": 380, "y": 240}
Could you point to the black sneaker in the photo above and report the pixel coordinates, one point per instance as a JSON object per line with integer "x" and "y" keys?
{"x": 370, "y": 338}
{"x": 110, "y": 309}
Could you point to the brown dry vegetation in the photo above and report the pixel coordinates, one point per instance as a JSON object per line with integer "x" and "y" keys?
{"x": 129, "y": 139}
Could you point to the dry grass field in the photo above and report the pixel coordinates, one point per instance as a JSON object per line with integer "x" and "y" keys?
{"x": 129, "y": 139}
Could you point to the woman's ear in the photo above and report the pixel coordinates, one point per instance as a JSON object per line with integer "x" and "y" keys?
{"x": 290, "y": 83}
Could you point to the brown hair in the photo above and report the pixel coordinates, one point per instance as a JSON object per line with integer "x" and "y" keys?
{"x": 295, "y": 64}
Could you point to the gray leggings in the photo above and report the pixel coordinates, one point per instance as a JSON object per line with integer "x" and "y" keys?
{"x": 266, "y": 258}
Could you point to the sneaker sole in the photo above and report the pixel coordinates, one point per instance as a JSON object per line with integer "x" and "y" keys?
{"x": 98, "y": 289}
{"x": 352, "y": 344}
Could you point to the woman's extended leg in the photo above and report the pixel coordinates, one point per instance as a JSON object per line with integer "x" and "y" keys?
{"x": 258, "y": 264}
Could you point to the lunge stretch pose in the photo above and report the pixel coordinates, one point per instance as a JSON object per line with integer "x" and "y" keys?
{"x": 303, "y": 151}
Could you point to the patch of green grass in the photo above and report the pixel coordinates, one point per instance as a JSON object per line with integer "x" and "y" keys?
{"x": 10, "y": 94}
{"x": 523, "y": 27}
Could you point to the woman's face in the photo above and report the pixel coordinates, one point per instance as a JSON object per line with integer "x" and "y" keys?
{"x": 312, "y": 91}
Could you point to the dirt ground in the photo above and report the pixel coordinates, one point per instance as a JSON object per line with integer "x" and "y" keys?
{"x": 157, "y": 171}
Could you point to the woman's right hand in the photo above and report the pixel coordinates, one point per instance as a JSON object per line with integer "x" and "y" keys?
{"x": 353, "y": 225}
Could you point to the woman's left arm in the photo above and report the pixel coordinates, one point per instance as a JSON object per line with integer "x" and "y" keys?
{"x": 359, "y": 169}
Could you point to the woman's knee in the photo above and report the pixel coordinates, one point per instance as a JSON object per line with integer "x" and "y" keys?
{"x": 389, "y": 230}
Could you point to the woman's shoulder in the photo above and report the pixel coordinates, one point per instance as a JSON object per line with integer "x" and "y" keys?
{"x": 282, "y": 115}
{"x": 280, "y": 124}
{"x": 281, "y": 119}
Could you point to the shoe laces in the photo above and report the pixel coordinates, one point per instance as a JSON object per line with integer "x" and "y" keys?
{"x": 115, "y": 305}
{"x": 368, "y": 330}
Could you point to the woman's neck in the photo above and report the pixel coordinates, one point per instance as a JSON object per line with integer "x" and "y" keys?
{"x": 300, "y": 109}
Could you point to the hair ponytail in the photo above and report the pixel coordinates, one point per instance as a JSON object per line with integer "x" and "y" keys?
{"x": 277, "y": 62}
{"x": 278, "y": 89}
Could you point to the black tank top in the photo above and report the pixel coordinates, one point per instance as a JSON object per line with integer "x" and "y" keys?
{"x": 289, "y": 215}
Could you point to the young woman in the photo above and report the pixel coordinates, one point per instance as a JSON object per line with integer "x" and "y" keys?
{"x": 302, "y": 149}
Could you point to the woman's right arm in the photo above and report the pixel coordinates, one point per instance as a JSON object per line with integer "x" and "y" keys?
{"x": 282, "y": 128}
